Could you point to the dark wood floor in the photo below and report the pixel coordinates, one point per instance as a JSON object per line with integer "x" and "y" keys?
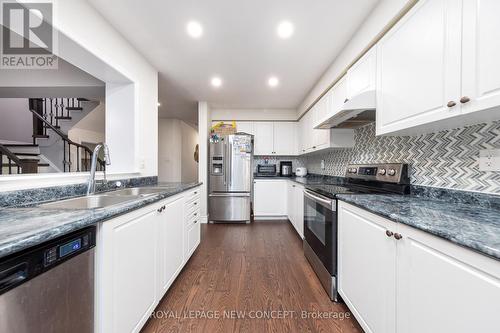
{"x": 257, "y": 269}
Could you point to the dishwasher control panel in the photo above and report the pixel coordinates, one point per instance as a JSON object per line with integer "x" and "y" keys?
{"x": 69, "y": 247}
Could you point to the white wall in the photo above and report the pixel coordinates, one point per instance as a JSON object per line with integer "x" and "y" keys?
{"x": 253, "y": 114}
{"x": 189, "y": 171}
{"x": 204, "y": 124}
{"x": 380, "y": 17}
{"x": 169, "y": 150}
{"x": 16, "y": 121}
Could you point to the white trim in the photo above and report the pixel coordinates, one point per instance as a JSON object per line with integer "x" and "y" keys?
{"x": 263, "y": 217}
{"x": 204, "y": 219}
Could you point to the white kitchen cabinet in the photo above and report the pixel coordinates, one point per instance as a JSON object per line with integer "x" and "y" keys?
{"x": 480, "y": 52}
{"x": 362, "y": 75}
{"x": 337, "y": 96}
{"x": 290, "y": 208}
{"x": 296, "y": 208}
{"x": 367, "y": 269}
{"x": 285, "y": 138}
{"x": 436, "y": 279}
{"x": 138, "y": 256}
{"x": 245, "y": 127}
{"x": 427, "y": 277}
{"x": 320, "y": 137}
{"x": 264, "y": 138}
{"x": 270, "y": 198}
{"x": 170, "y": 244}
{"x": 418, "y": 67}
{"x": 127, "y": 271}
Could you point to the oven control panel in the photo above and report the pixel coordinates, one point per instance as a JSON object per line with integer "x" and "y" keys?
{"x": 387, "y": 172}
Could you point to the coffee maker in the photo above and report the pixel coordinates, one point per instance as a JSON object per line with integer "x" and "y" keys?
{"x": 286, "y": 169}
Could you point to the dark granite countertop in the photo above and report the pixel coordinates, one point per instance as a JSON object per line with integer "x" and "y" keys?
{"x": 23, "y": 227}
{"x": 470, "y": 225}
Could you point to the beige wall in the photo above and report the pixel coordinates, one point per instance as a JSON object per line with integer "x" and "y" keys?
{"x": 176, "y": 143}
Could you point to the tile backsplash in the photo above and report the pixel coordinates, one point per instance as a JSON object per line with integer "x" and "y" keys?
{"x": 448, "y": 159}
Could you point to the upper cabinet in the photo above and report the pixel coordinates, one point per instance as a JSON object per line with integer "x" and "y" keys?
{"x": 437, "y": 66}
{"x": 361, "y": 76}
{"x": 245, "y": 127}
{"x": 275, "y": 138}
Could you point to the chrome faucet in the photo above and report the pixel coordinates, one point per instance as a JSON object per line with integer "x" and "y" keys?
{"x": 91, "y": 182}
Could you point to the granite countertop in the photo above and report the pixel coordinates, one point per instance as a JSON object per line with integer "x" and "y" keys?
{"x": 468, "y": 225}
{"x": 23, "y": 227}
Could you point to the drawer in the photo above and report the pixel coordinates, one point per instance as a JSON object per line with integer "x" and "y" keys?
{"x": 194, "y": 203}
{"x": 191, "y": 194}
{"x": 191, "y": 215}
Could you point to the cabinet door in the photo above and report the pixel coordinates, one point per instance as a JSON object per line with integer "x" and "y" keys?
{"x": 418, "y": 67}
{"x": 290, "y": 202}
{"x": 321, "y": 137}
{"x": 298, "y": 202}
{"x": 170, "y": 244}
{"x": 129, "y": 281}
{"x": 193, "y": 237}
{"x": 361, "y": 76}
{"x": 264, "y": 138}
{"x": 302, "y": 134}
{"x": 270, "y": 198}
{"x": 285, "y": 138}
{"x": 436, "y": 283}
{"x": 480, "y": 52}
{"x": 367, "y": 268}
{"x": 245, "y": 127}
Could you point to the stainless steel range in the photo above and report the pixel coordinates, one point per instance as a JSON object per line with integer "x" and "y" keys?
{"x": 320, "y": 213}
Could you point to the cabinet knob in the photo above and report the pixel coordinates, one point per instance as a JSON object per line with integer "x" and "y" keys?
{"x": 195, "y": 221}
{"x": 389, "y": 233}
{"x": 398, "y": 236}
{"x": 451, "y": 104}
{"x": 464, "y": 100}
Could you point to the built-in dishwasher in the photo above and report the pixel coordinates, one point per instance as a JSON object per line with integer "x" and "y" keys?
{"x": 50, "y": 287}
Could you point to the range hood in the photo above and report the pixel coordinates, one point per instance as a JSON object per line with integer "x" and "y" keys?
{"x": 355, "y": 112}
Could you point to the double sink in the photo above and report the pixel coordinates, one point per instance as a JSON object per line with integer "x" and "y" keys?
{"x": 105, "y": 199}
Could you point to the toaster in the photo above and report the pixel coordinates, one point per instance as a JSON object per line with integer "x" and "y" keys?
{"x": 301, "y": 172}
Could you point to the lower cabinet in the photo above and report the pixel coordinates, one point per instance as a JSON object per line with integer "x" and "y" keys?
{"x": 138, "y": 256}
{"x": 270, "y": 198}
{"x": 437, "y": 285}
{"x": 296, "y": 207}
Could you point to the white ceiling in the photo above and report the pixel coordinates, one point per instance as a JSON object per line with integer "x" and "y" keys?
{"x": 239, "y": 44}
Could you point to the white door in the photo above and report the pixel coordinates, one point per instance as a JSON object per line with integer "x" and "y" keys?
{"x": 133, "y": 271}
{"x": 245, "y": 127}
{"x": 321, "y": 137}
{"x": 361, "y": 76}
{"x": 418, "y": 67}
{"x": 481, "y": 54}
{"x": 337, "y": 97}
{"x": 437, "y": 287}
{"x": 270, "y": 198}
{"x": 367, "y": 268}
{"x": 285, "y": 138}
{"x": 264, "y": 138}
{"x": 170, "y": 244}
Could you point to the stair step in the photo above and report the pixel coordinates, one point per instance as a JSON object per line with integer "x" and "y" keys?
{"x": 74, "y": 108}
{"x": 83, "y": 99}
{"x": 20, "y": 145}
{"x": 56, "y": 126}
{"x": 26, "y": 154}
{"x": 63, "y": 118}
{"x": 43, "y": 164}
{"x": 40, "y": 136}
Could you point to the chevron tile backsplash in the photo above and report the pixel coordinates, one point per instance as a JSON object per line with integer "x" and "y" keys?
{"x": 447, "y": 159}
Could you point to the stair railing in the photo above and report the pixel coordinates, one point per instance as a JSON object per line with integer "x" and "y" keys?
{"x": 52, "y": 110}
{"x": 82, "y": 150}
{"x": 12, "y": 160}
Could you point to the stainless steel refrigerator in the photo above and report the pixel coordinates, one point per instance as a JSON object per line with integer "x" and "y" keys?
{"x": 231, "y": 177}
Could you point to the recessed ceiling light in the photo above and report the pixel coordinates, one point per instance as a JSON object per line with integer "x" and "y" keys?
{"x": 216, "y": 82}
{"x": 194, "y": 29}
{"x": 273, "y": 81}
{"x": 285, "y": 29}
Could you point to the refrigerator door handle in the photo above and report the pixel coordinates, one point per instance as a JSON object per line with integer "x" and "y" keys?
{"x": 230, "y": 153}
{"x": 224, "y": 165}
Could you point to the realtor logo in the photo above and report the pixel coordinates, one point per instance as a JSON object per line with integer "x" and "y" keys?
{"x": 27, "y": 39}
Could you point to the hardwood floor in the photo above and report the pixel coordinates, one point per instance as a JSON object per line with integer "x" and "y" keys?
{"x": 249, "y": 278}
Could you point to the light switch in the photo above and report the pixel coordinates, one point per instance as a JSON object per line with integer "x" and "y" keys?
{"x": 489, "y": 160}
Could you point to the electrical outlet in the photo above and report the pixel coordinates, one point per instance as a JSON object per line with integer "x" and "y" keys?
{"x": 322, "y": 164}
{"x": 489, "y": 160}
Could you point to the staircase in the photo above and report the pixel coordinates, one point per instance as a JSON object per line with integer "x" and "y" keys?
{"x": 52, "y": 150}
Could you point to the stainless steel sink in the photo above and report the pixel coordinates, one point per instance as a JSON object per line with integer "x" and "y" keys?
{"x": 88, "y": 202}
{"x": 140, "y": 191}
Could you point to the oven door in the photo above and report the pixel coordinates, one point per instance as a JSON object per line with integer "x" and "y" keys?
{"x": 320, "y": 228}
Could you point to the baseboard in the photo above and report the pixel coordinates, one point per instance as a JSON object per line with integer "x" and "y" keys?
{"x": 204, "y": 219}
{"x": 263, "y": 217}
